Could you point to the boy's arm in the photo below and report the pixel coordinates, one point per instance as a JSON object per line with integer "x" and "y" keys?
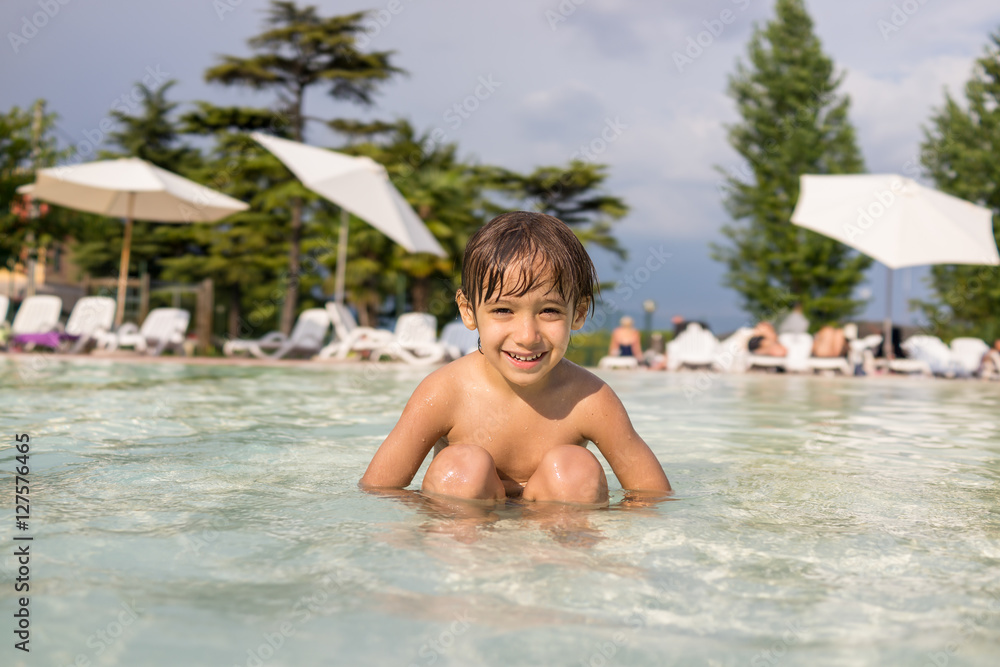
{"x": 425, "y": 420}
{"x": 609, "y": 427}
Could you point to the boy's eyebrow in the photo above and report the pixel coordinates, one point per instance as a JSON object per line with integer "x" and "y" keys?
{"x": 555, "y": 298}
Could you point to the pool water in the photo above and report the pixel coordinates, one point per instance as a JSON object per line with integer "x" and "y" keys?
{"x": 206, "y": 515}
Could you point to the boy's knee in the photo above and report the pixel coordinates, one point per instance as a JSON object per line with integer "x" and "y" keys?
{"x": 569, "y": 474}
{"x": 464, "y": 471}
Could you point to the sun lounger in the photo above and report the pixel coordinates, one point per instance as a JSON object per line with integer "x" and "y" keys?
{"x": 91, "y": 316}
{"x": 37, "y": 320}
{"x": 799, "y": 347}
{"x": 458, "y": 340}
{"x": 163, "y": 329}
{"x": 306, "y": 339}
{"x": 618, "y": 363}
{"x": 927, "y": 355}
{"x": 967, "y": 354}
{"x": 830, "y": 364}
{"x": 693, "y": 348}
{"x": 414, "y": 341}
{"x": 348, "y": 336}
{"x": 732, "y": 353}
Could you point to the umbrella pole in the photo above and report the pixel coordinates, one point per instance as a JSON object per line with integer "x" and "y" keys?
{"x": 887, "y": 348}
{"x": 123, "y": 271}
{"x": 341, "y": 259}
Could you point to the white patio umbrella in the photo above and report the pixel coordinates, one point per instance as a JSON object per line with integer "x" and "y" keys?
{"x": 897, "y": 222}
{"x": 132, "y": 189}
{"x": 359, "y": 185}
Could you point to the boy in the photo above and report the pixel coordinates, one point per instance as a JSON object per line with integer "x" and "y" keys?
{"x": 514, "y": 418}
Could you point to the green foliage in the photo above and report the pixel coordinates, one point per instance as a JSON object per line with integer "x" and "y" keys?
{"x": 960, "y": 152}
{"x": 247, "y": 254}
{"x": 572, "y": 194}
{"x": 20, "y": 153}
{"x": 447, "y": 194}
{"x": 301, "y": 50}
{"x": 152, "y": 135}
{"x": 793, "y": 123}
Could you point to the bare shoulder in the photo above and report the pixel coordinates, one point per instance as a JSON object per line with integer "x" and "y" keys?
{"x": 444, "y": 383}
{"x": 590, "y": 394}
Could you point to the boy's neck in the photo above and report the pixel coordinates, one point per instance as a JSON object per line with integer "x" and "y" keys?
{"x": 530, "y": 393}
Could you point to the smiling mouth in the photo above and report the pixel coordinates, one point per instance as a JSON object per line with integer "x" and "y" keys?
{"x": 534, "y": 357}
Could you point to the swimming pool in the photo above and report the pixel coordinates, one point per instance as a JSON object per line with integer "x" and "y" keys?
{"x": 195, "y": 515}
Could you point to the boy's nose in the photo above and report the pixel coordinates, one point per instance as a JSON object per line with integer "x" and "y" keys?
{"x": 527, "y": 332}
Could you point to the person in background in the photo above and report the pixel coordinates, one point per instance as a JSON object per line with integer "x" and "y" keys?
{"x": 680, "y": 324}
{"x": 989, "y": 366}
{"x": 625, "y": 340}
{"x": 795, "y": 322}
{"x": 765, "y": 341}
{"x": 830, "y": 341}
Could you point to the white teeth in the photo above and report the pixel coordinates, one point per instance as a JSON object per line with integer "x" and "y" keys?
{"x": 525, "y": 358}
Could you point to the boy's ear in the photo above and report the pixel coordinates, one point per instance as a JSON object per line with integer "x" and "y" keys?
{"x": 580, "y": 315}
{"x": 466, "y": 310}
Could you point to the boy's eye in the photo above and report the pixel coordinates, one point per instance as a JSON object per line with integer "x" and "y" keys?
{"x": 557, "y": 311}
{"x": 500, "y": 310}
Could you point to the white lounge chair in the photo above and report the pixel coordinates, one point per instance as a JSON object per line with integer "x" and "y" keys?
{"x": 693, "y": 348}
{"x": 967, "y": 353}
{"x": 458, "y": 340}
{"x": 618, "y": 363}
{"x": 799, "y": 347}
{"x": 91, "y": 316}
{"x": 37, "y": 322}
{"x": 306, "y": 339}
{"x": 37, "y": 315}
{"x": 163, "y": 329}
{"x": 733, "y": 353}
{"x": 830, "y": 364}
{"x": 414, "y": 341}
{"x": 928, "y": 355}
{"x": 348, "y": 336}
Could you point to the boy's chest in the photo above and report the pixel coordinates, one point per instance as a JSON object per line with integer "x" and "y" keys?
{"x": 516, "y": 436}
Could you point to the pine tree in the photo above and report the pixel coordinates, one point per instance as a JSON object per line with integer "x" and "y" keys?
{"x": 960, "y": 152}
{"x": 794, "y": 123}
{"x": 302, "y": 50}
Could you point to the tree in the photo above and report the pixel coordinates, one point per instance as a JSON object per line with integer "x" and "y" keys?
{"x": 447, "y": 194}
{"x": 299, "y": 51}
{"x": 960, "y": 153}
{"x": 27, "y": 141}
{"x": 572, "y": 194}
{"x": 793, "y": 123}
{"x": 155, "y": 136}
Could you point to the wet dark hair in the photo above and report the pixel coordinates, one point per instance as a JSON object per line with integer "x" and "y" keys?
{"x": 537, "y": 247}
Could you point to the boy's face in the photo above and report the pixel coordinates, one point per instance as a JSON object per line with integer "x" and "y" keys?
{"x": 524, "y": 337}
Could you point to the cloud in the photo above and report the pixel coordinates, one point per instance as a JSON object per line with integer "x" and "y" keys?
{"x": 889, "y": 111}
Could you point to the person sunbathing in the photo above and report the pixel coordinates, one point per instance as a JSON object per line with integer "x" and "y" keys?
{"x": 989, "y": 365}
{"x": 625, "y": 340}
{"x": 830, "y": 341}
{"x": 764, "y": 341}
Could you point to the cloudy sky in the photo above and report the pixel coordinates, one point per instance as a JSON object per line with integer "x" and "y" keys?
{"x": 555, "y": 80}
